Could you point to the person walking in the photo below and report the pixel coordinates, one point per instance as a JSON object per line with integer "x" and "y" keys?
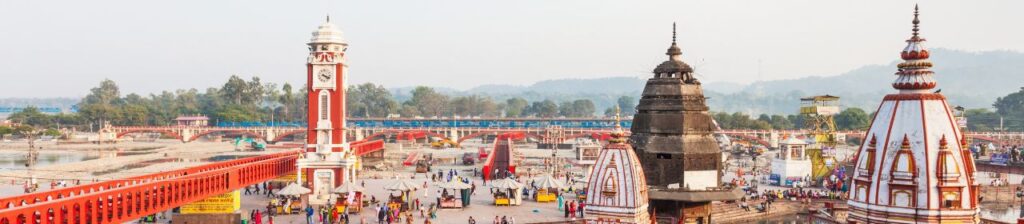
{"x": 572, "y": 209}
{"x": 560, "y": 201}
{"x": 259, "y": 217}
{"x": 566, "y": 210}
{"x": 581, "y": 207}
{"x": 246, "y": 192}
{"x": 309, "y": 214}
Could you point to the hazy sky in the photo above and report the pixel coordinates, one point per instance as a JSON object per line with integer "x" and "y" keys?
{"x": 63, "y": 48}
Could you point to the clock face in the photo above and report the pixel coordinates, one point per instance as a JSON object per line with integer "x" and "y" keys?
{"x": 325, "y": 75}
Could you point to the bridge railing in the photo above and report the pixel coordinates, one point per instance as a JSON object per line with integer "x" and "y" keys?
{"x": 140, "y": 198}
{"x": 365, "y": 147}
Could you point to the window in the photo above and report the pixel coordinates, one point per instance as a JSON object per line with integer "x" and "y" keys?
{"x": 611, "y": 185}
{"x": 862, "y": 193}
{"x": 324, "y": 105}
{"x": 951, "y": 199}
{"x": 902, "y": 198}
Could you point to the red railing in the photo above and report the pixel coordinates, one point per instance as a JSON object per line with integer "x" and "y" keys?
{"x": 366, "y": 146}
{"x": 411, "y": 159}
{"x": 127, "y": 199}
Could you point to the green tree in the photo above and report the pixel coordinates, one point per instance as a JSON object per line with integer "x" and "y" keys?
{"x": 428, "y": 102}
{"x": 288, "y": 100}
{"x": 1011, "y": 108}
{"x": 32, "y": 116}
{"x": 516, "y": 107}
{"x": 584, "y": 108}
{"x": 781, "y": 122}
{"x": 982, "y": 120}
{"x": 369, "y": 100}
{"x": 101, "y": 103}
{"x": 474, "y": 105}
{"x": 546, "y": 108}
{"x": 627, "y": 104}
{"x": 852, "y": 118}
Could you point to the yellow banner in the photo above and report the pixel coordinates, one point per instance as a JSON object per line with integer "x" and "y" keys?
{"x": 217, "y": 204}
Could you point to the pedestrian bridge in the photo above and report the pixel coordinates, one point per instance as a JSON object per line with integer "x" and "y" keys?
{"x": 124, "y": 200}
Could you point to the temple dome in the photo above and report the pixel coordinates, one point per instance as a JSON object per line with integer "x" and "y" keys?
{"x": 673, "y": 67}
{"x": 908, "y": 172}
{"x": 327, "y": 33}
{"x": 617, "y": 189}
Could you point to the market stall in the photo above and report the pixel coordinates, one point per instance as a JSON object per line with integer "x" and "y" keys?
{"x": 455, "y": 193}
{"x": 405, "y": 187}
{"x": 350, "y": 196}
{"x": 291, "y": 200}
{"x": 547, "y": 188}
{"x": 507, "y": 191}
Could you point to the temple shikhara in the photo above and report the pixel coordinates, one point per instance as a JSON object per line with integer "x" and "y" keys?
{"x": 672, "y": 136}
{"x": 617, "y": 186}
{"x": 914, "y": 166}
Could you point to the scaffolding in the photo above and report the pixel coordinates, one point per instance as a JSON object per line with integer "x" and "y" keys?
{"x": 819, "y": 113}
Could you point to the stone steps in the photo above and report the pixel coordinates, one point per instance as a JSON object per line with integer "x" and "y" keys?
{"x": 732, "y": 213}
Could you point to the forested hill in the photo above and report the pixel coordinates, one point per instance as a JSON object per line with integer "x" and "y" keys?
{"x": 970, "y": 79}
{"x": 973, "y": 80}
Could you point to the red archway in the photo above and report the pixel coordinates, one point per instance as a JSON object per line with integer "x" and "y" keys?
{"x": 496, "y": 133}
{"x": 749, "y": 138}
{"x": 243, "y": 132}
{"x": 600, "y": 136}
{"x": 405, "y": 134}
{"x": 165, "y": 132}
{"x": 286, "y": 134}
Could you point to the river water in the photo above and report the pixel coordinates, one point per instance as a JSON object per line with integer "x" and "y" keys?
{"x": 14, "y": 160}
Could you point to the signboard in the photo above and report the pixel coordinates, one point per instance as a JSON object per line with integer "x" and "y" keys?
{"x": 217, "y": 204}
{"x": 773, "y": 179}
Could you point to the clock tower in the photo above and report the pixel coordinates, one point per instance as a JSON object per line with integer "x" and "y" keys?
{"x": 327, "y": 161}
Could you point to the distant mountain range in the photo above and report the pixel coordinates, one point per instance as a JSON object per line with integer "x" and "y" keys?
{"x": 969, "y": 79}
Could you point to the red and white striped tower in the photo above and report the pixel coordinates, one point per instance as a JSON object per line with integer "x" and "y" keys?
{"x": 910, "y": 169}
{"x": 328, "y": 160}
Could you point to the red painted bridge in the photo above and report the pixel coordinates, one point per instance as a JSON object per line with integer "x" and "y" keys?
{"x": 123, "y": 200}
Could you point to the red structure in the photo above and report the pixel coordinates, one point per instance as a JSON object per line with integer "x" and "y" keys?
{"x": 500, "y": 159}
{"x": 128, "y": 199}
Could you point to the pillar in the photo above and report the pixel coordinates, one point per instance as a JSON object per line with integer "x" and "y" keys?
{"x": 269, "y": 134}
{"x": 186, "y": 134}
{"x": 453, "y": 134}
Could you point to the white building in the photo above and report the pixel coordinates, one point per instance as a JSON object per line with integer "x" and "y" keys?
{"x": 791, "y": 166}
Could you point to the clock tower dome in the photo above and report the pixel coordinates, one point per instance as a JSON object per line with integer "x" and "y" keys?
{"x": 327, "y": 161}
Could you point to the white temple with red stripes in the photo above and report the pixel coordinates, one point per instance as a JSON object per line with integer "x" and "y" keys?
{"x": 911, "y": 168}
{"x": 617, "y": 189}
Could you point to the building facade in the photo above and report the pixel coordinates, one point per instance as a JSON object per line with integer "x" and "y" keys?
{"x": 327, "y": 161}
{"x": 911, "y": 169}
